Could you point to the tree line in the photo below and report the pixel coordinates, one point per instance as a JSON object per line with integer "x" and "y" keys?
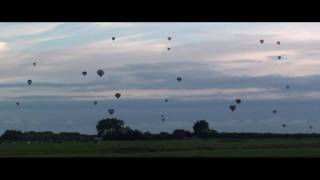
{"x": 116, "y": 129}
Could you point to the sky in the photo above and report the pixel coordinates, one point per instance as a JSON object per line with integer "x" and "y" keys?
{"x": 218, "y": 63}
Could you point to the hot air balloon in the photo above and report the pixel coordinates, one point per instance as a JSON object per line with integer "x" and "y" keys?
{"x": 110, "y": 111}
{"x": 162, "y": 115}
{"x": 113, "y": 38}
{"x": 287, "y": 87}
{"x": 238, "y": 101}
{"x": 279, "y": 57}
{"x": 117, "y": 95}
{"x": 163, "y": 119}
{"x": 169, "y": 49}
{"x": 261, "y": 41}
{"x": 232, "y": 107}
{"x": 166, "y": 100}
{"x": 284, "y": 125}
{"x": 34, "y": 64}
{"x": 310, "y": 127}
{"x": 95, "y": 102}
{"x": 18, "y": 103}
{"x": 84, "y": 73}
{"x": 179, "y": 79}
{"x": 169, "y": 38}
{"x": 274, "y": 111}
{"x": 278, "y": 42}
{"x": 29, "y": 82}
{"x": 100, "y": 72}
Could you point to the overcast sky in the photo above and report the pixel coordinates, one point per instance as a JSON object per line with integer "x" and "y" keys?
{"x": 218, "y": 62}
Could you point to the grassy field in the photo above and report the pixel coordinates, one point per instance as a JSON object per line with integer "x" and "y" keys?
{"x": 169, "y": 148}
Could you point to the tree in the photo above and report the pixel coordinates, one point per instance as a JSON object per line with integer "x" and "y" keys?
{"x": 11, "y": 135}
{"x": 181, "y": 134}
{"x": 111, "y": 127}
{"x": 201, "y": 128}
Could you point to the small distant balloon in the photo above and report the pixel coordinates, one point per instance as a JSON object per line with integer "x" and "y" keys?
{"x": 261, "y": 41}
{"x": 18, "y": 103}
{"x": 310, "y": 127}
{"x": 95, "y": 102}
{"x": 287, "y": 87}
{"x": 113, "y": 38}
{"x": 279, "y": 57}
{"x": 117, "y": 95}
{"x": 110, "y": 111}
{"x": 34, "y": 64}
{"x": 278, "y": 42}
{"x": 162, "y": 115}
{"x": 238, "y": 101}
{"x": 100, "y": 72}
{"x": 179, "y": 79}
{"x": 84, "y": 73}
{"x": 232, "y": 107}
{"x": 168, "y": 49}
{"x": 284, "y": 125}
{"x": 166, "y": 100}
{"x": 274, "y": 111}
{"x": 163, "y": 119}
{"x": 29, "y": 82}
{"x": 169, "y": 38}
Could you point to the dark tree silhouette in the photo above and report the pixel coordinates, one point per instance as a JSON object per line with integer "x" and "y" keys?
{"x": 110, "y": 126}
{"x": 181, "y": 134}
{"x": 201, "y": 127}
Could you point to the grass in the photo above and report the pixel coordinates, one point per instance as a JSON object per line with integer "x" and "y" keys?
{"x": 169, "y": 148}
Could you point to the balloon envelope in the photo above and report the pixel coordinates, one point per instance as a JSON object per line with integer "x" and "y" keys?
{"x": 179, "y": 78}
{"x": 117, "y": 95}
{"x": 84, "y": 73}
{"x": 238, "y": 101}
{"x": 100, "y": 72}
{"x": 111, "y": 111}
{"x": 232, "y": 107}
{"x": 29, "y": 82}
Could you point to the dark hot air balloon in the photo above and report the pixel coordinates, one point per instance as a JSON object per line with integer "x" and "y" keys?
{"x": 95, "y": 102}
{"x": 166, "y": 100}
{"x": 84, "y": 73}
{"x": 232, "y": 107}
{"x": 163, "y": 119}
{"x": 34, "y": 64}
{"x": 310, "y": 127}
{"x": 110, "y": 111}
{"x": 169, "y": 38}
{"x": 278, "y": 42}
{"x": 274, "y": 111}
{"x": 261, "y": 41}
{"x": 287, "y": 87}
{"x": 284, "y": 125}
{"x": 18, "y": 103}
{"x": 29, "y": 82}
{"x": 100, "y": 72}
{"x": 113, "y": 38}
{"x": 238, "y": 101}
{"x": 168, "y": 49}
{"x": 279, "y": 57}
{"x": 117, "y": 95}
{"x": 179, "y": 79}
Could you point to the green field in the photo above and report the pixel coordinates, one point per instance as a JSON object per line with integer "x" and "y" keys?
{"x": 169, "y": 148}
